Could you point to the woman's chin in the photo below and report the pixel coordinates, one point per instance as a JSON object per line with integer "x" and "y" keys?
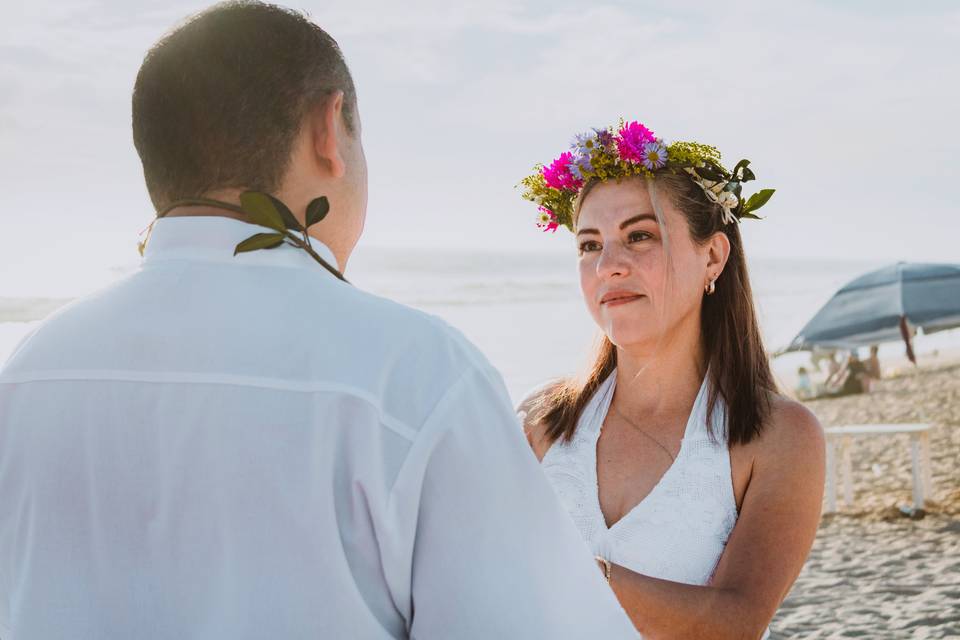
{"x": 630, "y": 339}
{"x": 632, "y": 319}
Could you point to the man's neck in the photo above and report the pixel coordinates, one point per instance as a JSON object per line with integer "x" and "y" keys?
{"x": 232, "y": 197}
{"x": 193, "y": 211}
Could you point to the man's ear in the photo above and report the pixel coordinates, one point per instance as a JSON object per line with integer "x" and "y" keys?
{"x": 328, "y": 131}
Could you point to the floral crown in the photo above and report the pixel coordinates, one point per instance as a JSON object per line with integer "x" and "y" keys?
{"x": 632, "y": 150}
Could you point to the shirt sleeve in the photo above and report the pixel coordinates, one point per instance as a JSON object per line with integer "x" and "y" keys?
{"x": 494, "y": 554}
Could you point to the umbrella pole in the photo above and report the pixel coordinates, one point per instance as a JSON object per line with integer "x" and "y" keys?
{"x": 905, "y": 334}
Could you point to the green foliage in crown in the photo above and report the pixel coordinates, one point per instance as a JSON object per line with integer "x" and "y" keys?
{"x": 629, "y": 150}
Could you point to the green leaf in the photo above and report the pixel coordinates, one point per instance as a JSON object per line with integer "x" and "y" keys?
{"x": 317, "y": 210}
{"x": 261, "y": 210}
{"x": 709, "y": 172}
{"x": 747, "y": 214}
{"x": 260, "y": 241}
{"x": 742, "y": 171}
{"x": 286, "y": 215}
{"x": 759, "y": 199}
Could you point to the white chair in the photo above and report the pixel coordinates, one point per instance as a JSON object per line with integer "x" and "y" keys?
{"x": 842, "y": 437}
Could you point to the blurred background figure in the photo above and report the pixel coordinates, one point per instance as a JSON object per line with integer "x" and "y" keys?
{"x": 849, "y": 379}
{"x": 804, "y": 389}
{"x": 819, "y": 355}
{"x": 873, "y": 363}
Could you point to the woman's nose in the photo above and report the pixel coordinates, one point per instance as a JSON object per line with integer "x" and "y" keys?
{"x": 613, "y": 261}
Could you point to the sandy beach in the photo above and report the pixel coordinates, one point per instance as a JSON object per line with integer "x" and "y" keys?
{"x": 874, "y": 573}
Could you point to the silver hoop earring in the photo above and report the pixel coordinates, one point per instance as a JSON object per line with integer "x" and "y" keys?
{"x": 711, "y": 287}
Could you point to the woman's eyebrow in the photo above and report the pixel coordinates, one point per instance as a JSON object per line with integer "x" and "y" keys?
{"x": 643, "y": 216}
{"x": 623, "y": 225}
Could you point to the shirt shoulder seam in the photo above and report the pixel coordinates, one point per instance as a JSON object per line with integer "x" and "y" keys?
{"x": 174, "y": 377}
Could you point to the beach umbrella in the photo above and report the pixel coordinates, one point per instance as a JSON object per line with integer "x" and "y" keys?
{"x": 886, "y": 305}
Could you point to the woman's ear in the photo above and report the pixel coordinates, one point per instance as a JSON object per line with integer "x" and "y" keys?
{"x": 718, "y": 252}
{"x": 327, "y": 133}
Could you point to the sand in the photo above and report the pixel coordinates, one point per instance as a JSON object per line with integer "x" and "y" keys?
{"x": 872, "y": 572}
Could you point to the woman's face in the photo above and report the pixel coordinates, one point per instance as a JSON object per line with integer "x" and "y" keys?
{"x": 641, "y": 282}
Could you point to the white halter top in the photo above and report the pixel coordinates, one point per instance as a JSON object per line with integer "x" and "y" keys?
{"x": 680, "y": 529}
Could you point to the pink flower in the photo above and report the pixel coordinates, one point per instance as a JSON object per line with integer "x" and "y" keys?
{"x": 631, "y": 140}
{"x": 547, "y": 220}
{"x": 558, "y": 175}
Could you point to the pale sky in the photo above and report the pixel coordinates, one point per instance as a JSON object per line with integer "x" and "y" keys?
{"x": 848, "y": 109}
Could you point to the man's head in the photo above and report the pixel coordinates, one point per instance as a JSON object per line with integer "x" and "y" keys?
{"x": 251, "y": 96}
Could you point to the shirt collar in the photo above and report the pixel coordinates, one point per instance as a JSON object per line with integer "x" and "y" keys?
{"x": 214, "y": 238}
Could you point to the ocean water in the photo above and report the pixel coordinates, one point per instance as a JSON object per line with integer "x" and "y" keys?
{"x": 524, "y": 311}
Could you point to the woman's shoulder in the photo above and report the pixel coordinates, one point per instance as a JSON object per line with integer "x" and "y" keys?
{"x": 789, "y": 451}
{"x": 792, "y": 432}
{"x": 787, "y": 458}
{"x": 534, "y": 398}
{"x": 531, "y": 409}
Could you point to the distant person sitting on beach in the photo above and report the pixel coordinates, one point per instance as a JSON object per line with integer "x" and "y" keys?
{"x": 819, "y": 354}
{"x": 804, "y": 388}
{"x": 833, "y": 367}
{"x": 873, "y": 363}
{"x": 833, "y": 381}
{"x": 850, "y": 379}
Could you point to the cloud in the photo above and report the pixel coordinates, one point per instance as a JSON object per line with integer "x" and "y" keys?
{"x": 825, "y": 101}
{"x": 846, "y": 109}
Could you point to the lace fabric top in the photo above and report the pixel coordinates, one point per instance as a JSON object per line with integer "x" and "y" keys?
{"x": 679, "y": 531}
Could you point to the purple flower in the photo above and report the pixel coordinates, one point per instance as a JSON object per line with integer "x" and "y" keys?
{"x": 579, "y": 164}
{"x": 654, "y": 155}
{"x": 583, "y": 143}
{"x": 604, "y": 137}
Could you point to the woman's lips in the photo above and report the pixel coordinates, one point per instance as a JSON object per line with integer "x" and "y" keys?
{"x": 617, "y": 299}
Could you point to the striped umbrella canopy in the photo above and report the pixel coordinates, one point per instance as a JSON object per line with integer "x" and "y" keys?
{"x": 886, "y": 305}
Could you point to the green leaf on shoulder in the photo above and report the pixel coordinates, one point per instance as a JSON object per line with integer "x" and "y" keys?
{"x": 260, "y": 241}
{"x": 261, "y": 210}
{"x": 317, "y": 210}
{"x": 289, "y": 220}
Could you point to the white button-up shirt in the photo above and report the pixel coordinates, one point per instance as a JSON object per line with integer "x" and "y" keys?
{"x": 225, "y": 446}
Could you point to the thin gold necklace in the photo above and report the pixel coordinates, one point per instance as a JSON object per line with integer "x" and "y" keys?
{"x": 637, "y": 427}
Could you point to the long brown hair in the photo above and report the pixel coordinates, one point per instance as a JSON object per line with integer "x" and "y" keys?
{"x": 737, "y": 362}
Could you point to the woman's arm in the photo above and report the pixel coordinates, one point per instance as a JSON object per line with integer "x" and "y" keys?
{"x": 766, "y": 550}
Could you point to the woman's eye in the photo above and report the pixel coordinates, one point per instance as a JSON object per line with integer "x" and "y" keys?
{"x": 637, "y": 236}
{"x": 589, "y": 245}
